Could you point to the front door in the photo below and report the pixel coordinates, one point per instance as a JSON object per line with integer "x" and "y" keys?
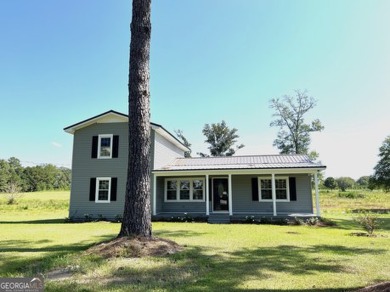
{"x": 220, "y": 194}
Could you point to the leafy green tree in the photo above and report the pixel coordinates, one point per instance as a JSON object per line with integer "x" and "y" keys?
{"x": 372, "y": 185}
{"x": 363, "y": 182}
{"x": 16, "y": 173}
{"x": 381, "y": 176}
{"x": 46, "y": 177}
{"x": 4, "y": 175}
{"x": 330, "y": 183}
{"x": 39, "y": 178}
{"x": 294, "y": 134}
{"x": 221, "y": 139}
{"x": 62, "y": 178}
{"x": 180, "y": 135}
{"x": 137, "y": 219}
{"x": 13, "y": 176}
{"x": 345, "y": 183}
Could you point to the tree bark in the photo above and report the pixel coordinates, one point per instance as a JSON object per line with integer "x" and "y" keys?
{"x": 137, "y": 215}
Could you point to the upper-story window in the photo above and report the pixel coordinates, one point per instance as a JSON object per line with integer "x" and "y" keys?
{"x": 105, "y": 146}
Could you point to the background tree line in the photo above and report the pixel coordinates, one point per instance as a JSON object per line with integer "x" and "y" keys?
{"x": 343, "y": 183}
{"x": 16, "y": 178}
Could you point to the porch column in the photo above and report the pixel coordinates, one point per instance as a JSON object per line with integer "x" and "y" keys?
{"x": 230, "y": 195}
{"x": 317, "y": 195}
{"x": 207, "y": 196}
{"x": 274, "y": 194}
{"x": 154, "y": 195}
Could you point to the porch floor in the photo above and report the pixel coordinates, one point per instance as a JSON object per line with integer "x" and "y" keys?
{"x": 218, "y": 217}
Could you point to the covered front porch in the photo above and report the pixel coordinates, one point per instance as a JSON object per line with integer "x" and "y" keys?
{"x": 228, "y": 195}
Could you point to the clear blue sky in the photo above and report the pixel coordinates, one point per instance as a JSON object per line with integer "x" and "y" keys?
{"x": 64, "y": 61}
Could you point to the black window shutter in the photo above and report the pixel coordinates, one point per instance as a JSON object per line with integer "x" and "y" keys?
{"x": 114, "y": 182}
{"x": 115, "y": 145}
{"x": 255, "y": 189}
{"x": 92, "y": 189}
{"x": 293, "y": 189}
{"x": 95, "y": 140}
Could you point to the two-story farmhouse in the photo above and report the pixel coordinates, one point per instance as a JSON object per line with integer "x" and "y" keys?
{"x": 219, "y": 188}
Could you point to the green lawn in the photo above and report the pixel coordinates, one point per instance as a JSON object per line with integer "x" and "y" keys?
{"x": 232, "y": 257}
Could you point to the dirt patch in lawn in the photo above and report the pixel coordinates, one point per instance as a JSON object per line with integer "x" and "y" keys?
{"x": 135, "y": 247}
{"x": 127, "y": 247}
{"x": 365, "y": 234}
{"x": 382, "y": 287}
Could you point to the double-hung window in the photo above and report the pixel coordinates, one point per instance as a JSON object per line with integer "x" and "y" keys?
{"x": 171, "y": 190}
{"x": 103, "y": 189}
{"x": 105, "y": 146}
{"x": 281, "y": 189}
{"x": 184, "y": 189}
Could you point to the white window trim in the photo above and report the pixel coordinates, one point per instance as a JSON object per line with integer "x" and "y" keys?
{"x": 178, "y": 189}
{"x": 98, "y": 179}
{"x": 276, "y": 178}
{"x": 111, "y": 136}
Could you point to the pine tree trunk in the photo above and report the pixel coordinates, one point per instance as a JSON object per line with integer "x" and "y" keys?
{"x": 137, "y": 215}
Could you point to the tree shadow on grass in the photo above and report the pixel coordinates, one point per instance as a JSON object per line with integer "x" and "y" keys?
{"x": 202, "y": 269}
{"x": 43, "y": 221}
{"x": 176, "y": 233}
{"x": 28, "y": 265}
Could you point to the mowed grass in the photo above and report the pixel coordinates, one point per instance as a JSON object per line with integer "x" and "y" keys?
{"x": 231, "y": 257}
{"x": 35, "y": 206}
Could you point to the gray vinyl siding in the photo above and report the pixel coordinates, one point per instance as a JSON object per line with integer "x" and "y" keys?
{"x": 164, "y": 151}
{"x": 184, "y": 207}
{"x": 242, "y": 198}
{"x": 84, "y": 168}
{"x": 243, "y": 203}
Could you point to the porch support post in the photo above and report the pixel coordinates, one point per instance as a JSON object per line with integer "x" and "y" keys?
{"x": 317, "y": 195}
{"x": 274, "y": 194}
{"x": 207, "y": 196}
{"x": 154, "y": 195}
{"x": 230, "y": 195}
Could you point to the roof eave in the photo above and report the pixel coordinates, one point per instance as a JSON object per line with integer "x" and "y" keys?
{"x": 167, "y": 135}
{"x": 253, "y": 171}
{"x": 85, "y": 123}
{"x": 160, "y": 129}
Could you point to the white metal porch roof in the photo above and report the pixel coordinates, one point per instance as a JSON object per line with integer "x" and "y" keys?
{"x": 241, "y": 162}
